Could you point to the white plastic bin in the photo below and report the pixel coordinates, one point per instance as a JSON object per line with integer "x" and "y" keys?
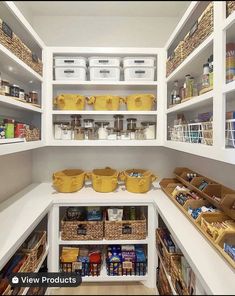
{"x": 104, "y": 62}
{"x": 70, "y": 61}
{"x": 108, "y": 73}
{"x": 139, "y": 62}
{"x": 140, "y": 73}
{"x": 73, "y": 73}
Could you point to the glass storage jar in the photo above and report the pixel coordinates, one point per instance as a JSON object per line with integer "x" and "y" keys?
{"x": 125, "y": 135}
{"x": 14, "y": 91}
{"x": 88, "y": 123}
{"x": 131, "y": 123}
{"x": 76, "y": 121}
{"x": 90, "y": 134}
{"x": 149, "y": 129}
{"x": 66, "y": 131}
{"x": 102, "y": 130}
{"x": 21, "y": 94}
{"x": 132, "y": 134}
{"x": 58, "y": 129}
{"x": 118, "y": 122}
{"x": 79, "y": 133}
{"x": 139, "y": 134}
{"x": 112, "y": 135}
{"x": 34, "y": 97}
{"x": 5, "y": 87}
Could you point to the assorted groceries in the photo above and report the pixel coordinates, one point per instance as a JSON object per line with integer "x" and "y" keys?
{"x": 191, "y": 86}
{"x": 104, "y": 68}
{"x": 13, "y": 129}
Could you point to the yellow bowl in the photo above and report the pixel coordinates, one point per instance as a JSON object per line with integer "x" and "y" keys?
{"x": 106, "y": 103}
{"x": 140, "y": 102}
{"x": 137, "y": 185}
{"x": 69, "y": 180}
{"x": 104, "y": 180}
{"x": 70, "y": 102}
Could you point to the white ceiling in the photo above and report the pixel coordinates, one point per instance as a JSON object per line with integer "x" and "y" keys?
{"x": 107, "y": 8}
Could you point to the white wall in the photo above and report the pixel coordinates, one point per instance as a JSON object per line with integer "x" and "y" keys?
{"x": 15, "y": 173}
{"x": 161, "y": 161}
{"x": 104, "y": 31}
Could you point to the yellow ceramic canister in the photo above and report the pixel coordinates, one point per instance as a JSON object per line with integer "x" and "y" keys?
{"x": 69, "y": 180}
{"x": 106, "y": 103}
{"x": 70, "y": 102}
{"x": 140, "y": 102}
{"x": 137, "y": 184}
{"x": 104, "y": 180}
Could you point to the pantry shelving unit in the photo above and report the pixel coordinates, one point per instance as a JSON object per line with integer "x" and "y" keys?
{"x": 88, "y": 88}
{"x": 215, "y": 44}
{"x": 15, "y": 70}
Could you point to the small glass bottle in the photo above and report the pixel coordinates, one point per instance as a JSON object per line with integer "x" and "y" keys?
{"x": 175, "y": 93}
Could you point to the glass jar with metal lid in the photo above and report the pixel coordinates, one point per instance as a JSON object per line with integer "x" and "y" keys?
{"x": 131, "y": 123}
{"x": 118, "y": 122}
{"x": 90, "y": 134}
{"x": 66, "y": 131}
{"x": 149, "y": 129}
{"x": 5, "y": 89}
{"x": 14, "y": 91}
{"x": 34, "y": 97}
{"x": 58, "y": 130}
{"x": 79, "y": 133}
{"x": 76, "y": 121}
{"x": 102, "y": 129}
{"x": 88, "y": 123}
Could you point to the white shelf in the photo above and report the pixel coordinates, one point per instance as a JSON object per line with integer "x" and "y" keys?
{"x": 103, "y": 277}
{"x": 114, "y": 83}
{"x": 93, "y": 112}
{"x": 229, "y": 87}
{"x": 229, "y": 21}
{"x": 16, "y": 68}
{"x": 19, "y": 215}
{"x": 140, "y": 143}
{"x": 167, "y": 275}
{"x": 37, "y": 269}
{"x": 18, "y": 147}
{"x": 12, "y": 102}
{"x": 196, "y": 102}
{"x": 194, "y": 61}
{"x": 11, "y": 141}
{"x": 105, "y": 242}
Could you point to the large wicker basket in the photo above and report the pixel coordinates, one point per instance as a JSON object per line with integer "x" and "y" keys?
{"x": 175, "y": 59}
{"x": 28, "y": 58}
{"x": 200, "y": 31}
{"x": 130, "y": 229}
{"x": 82, "y": 230}
{"x": 35, "y": 254}
{"x": 176, "y": 276}
{"x": 230, "y": 7}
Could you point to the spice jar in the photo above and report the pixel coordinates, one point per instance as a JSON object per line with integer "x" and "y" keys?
{"x": 149, "y": 129}
{"x": 118, "y": 122}
{"x": 79, "y": 133}
{"x": 88, "y": 123}
{"x": 14, "y": 91}
{"x": 131, "y": 123}
{"x": 76, "y": 121}
{"x": 34, "y": 97}
{"x": 66, "y": 131}
{"x": 2, "y": 130}
{"x": 102, "y": 130}
{"x": 21, "y": 94}
{"x": 9, "y": 128}
{"x": 5, "y": 87}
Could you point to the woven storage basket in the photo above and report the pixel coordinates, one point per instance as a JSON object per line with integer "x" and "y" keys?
{"x": 201, "y": 29}
{"x": 175, "y": 59}
{"x": 176, "y": 275}
{"x": 82, "y": 230}
{"x": 130, "y": 229}
{"x": 27, "y": 57}
{"x": 163, "y": 252}
{"x": 11, "y": 41}
{"x": 8, "y": 291}
{"x": 36, "y": 254}
{"x": 230, "y": 7}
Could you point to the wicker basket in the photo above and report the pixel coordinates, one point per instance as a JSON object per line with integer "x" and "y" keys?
{"x": 36, "y": 254}
{"x": 34, "y": 63}
{"x": 163, "y": 252}
{"x": 176, "y": 276}
{"x": 175, "y": 59}
{"x": 82, "y": 230}
{"x": 130, "y": 229}
{"x": 82, "y": 268}
{"x": 200, "y": 31}
{"x": 230, "y": 7}
{"x": 8, "y": 291}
